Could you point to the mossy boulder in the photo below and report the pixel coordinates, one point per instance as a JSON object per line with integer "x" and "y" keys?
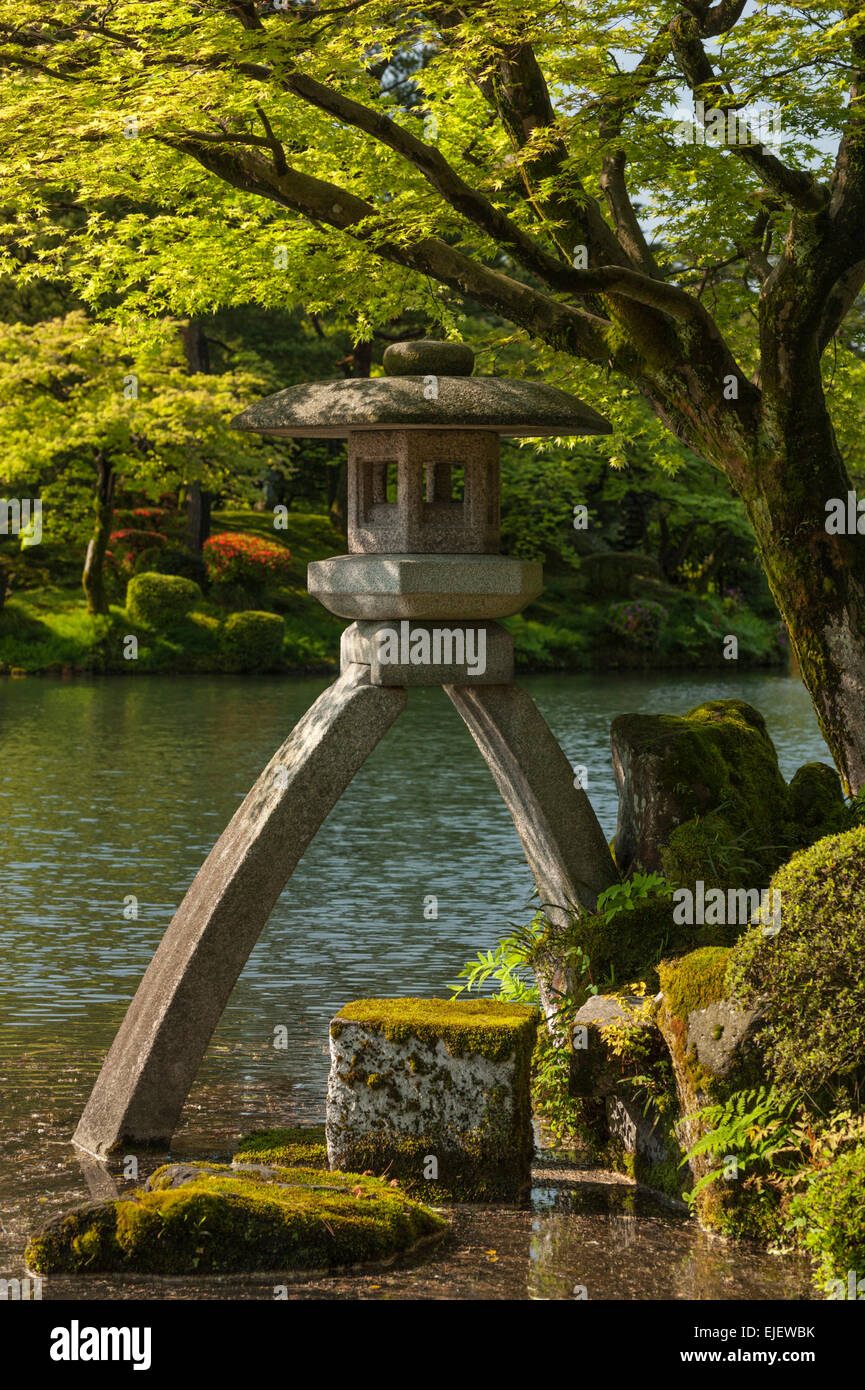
{"x": 807, "y": 975}
{"x": 718, "y": 759}
{"x": 284, "y": 1148}
{"x": 817, "y": 802}
{"x": 219, "y": 1221}
{"x": 161, "y": 600}
{"x": 436, "y": 1093}
{"x": 251, "y": 641}
{"x": 712, "y": 1047}
{"x": 627, "y": 946}
{"x": 622, "y": 1083}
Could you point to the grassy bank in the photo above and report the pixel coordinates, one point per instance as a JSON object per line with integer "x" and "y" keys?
{"x": 45, "y": 629}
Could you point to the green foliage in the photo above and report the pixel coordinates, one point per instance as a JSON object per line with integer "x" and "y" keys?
{"x": 755, "y": 1126}
{"x": 798, "y": 1175}
{"x": 76, "y": 396}
{"x": 160, "y": 600}
{"x": 828, "y": 1217}
{"x": 632, "y": 893}
{"x": 639, "y": 620}
{"x": 504, "y": 963}
{"x": 808, "y": 976}
{"x": 251, "y": 641}
{"x": 46, "y": 628}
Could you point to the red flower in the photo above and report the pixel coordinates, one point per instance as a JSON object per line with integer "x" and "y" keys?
{"x": 239, "y": 558}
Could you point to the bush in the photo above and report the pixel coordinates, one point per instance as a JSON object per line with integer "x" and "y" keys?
{"x": 160, "y": 600}
{"x": 172, "y": 560}
{"x": 830, "y": 1216}
{"x": 641, "y": 620}
{"x": 246, "y": 560}
{"x": 808, "y": 977}
{"x": 251, "y": 641}
{"x": 125, "y": 546}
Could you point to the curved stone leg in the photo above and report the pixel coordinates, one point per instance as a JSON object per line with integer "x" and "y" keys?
{"x": 560, "y": 833}
{"x": 158, "y": 1049}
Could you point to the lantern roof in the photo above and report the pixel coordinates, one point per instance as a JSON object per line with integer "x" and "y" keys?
{"x": 428, "y": 386}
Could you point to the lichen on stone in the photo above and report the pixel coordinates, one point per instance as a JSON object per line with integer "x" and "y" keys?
{"x": 439, "y": 1097}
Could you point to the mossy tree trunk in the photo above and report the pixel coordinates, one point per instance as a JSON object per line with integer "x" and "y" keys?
{"x": 199, "y": 501}
{"x": 93, "y": 578}
{"x": 818, "y": 582}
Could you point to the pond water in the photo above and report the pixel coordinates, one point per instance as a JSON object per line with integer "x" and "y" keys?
{"x": 117, "y": 788}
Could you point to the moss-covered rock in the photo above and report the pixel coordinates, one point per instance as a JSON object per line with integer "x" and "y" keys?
{"x": 817, "y": 802}
{"x": 436, "y": 1093}
{"x": 706, "y": 849}
{"x": 483, "y": 1026}
{"x": 718, "y": 759}
{"x": 807, "y": 976}
{"x": 694, "y": 981}
{"x": 221, "y": 1222}
{"x": 712, "y": 1048}
{"x": 284, "y": 1148}
{"x": 622, "y": 1083}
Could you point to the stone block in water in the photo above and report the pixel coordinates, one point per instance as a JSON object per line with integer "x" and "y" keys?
{"x": 434, "y": 1093}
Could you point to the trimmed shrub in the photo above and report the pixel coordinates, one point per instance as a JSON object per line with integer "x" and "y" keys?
{"x": 246, "y": 560}
{"x": 251, "y": 641}
{"x": 160, "y": 600}
{"x": 808, "y": 977}
{"x": 830, "y": 1218}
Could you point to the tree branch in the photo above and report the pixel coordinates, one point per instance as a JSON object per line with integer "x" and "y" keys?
{"x": 322, "y": 203}
{"x": 798, "y": 189}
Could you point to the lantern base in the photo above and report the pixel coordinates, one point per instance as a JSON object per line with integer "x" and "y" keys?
{"x": 405, "y": 653}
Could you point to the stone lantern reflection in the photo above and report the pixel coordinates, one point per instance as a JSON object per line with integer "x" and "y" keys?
{"x": 423, "y": 586}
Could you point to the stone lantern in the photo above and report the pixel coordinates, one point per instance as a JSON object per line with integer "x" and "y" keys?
{"x": 424, "y": 499}
{"x": 423, "y": 585}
